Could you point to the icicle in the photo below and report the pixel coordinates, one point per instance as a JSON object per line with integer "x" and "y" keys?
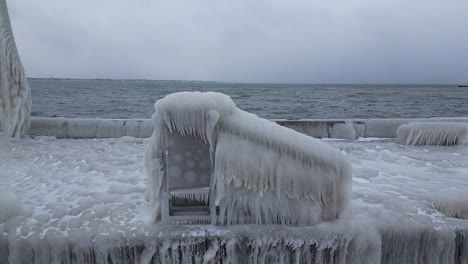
{"x": 213, "y": 118}
{"x": 168, "y": 122}
{"x": 199, "y": 195}
{"x": 211, "y": 252}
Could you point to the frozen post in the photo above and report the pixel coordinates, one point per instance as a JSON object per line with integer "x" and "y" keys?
{"x": 15, "y": 96}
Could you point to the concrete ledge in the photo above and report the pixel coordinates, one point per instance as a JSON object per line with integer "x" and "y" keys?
{"x": 142, "y": 128}
{"x": 90, "y": 127}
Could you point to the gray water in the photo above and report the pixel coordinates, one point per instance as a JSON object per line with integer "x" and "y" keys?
{"x": 135, "y": 99}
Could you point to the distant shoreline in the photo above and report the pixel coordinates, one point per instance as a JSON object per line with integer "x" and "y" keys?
{"x": 109, "y": 79}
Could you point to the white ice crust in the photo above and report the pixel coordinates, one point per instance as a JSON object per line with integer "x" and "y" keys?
{"x": 82, "y": 201}
{"x": 263, "y": 173}
{"x": 433, "y": 133}
{"x": 15, "y": 95}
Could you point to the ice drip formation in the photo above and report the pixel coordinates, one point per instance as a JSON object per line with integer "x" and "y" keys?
{"x": 15, "y": 95}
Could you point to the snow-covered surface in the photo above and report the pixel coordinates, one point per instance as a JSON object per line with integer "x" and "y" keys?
{"x": 15, "y": 95}
{"x": 263, "y": 173}
{"x": 433, "y": 133}
{"x": 9, "y": 205}
{"x": 83, "y": 200}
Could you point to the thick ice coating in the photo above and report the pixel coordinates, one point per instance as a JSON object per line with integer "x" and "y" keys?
{"x": 82, "y": 201}
{"x": 433, "y": 133}
{"x": 15, "y": 95}
{"x": 261, "y": 172}
{"x": 452, "y": 203}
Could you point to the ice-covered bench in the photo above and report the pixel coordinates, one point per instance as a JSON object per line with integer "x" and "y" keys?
{"x": 253, "y": 170}
{"x": 433, "y": 133}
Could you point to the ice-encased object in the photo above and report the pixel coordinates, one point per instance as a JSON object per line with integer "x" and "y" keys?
{"x": 452, "y": 203}
{"x": 260, "y": 172}
{"x": 15, "y": 95}
{"x": 433, "y": 133}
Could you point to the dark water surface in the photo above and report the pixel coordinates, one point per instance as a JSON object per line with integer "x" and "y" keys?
{"x": 135, "y": 99}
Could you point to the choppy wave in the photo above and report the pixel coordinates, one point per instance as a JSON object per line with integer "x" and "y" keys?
{"x": 132, "y": 99}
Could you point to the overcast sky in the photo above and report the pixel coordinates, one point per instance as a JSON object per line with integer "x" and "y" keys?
{"x": 349, "y": 41}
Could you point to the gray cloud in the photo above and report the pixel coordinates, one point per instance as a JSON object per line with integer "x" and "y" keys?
{"x": 373, "y": 41}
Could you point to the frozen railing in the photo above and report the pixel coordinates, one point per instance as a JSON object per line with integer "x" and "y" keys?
{"x": 143, "y": 128}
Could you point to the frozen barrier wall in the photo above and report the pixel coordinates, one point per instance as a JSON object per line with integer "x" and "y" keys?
{"x": 143, "y": 128}
{"x": 433, "y": 133}
{"x": 90, "y": 127}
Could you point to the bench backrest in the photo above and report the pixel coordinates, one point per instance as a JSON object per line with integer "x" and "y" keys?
{"x": 188, "y": 162}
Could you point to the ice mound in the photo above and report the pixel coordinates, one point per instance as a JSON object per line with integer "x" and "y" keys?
{"x": 9, "y": 205}
{"x": 262, "y": 172}
{"x": 15, "y": 95}
{"x": 453, "y": 203}
{"x": 433, "y": 133}
{"x": 343, "y": 130}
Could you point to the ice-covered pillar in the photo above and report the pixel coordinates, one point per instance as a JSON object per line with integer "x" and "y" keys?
{"x": 15, "y": 95}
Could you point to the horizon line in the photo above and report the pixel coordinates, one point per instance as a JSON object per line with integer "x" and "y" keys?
{"x": 234, "y": 82}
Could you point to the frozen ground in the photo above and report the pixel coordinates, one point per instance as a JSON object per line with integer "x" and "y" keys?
{"x": 83, "y": 201}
